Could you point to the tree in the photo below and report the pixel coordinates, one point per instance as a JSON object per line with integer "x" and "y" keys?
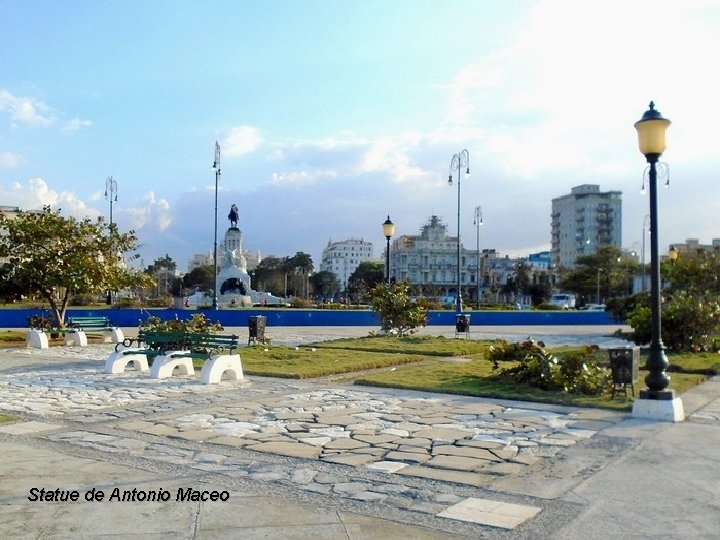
{"x": 200, "y": 277}
{"x": 397, "y": 313}
{"x": 369, "y": 273}
{"x": 605, "y": 270}
{"x": 163, "y": 271}
{"x": 55, "y": 257}
{"x": 325, "y": 283}
{"x": 691, "y": 310}
{"x": 270, "y": 275}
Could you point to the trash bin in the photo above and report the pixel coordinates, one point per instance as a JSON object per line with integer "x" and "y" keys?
{"x": 256, "y": 329}
{"x": 625, "y": 366}
{"x": 462, "y": 324}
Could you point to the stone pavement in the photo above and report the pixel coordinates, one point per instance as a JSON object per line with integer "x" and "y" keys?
{"x": 301, "y": 458}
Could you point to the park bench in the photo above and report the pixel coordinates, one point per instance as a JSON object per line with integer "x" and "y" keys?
{"x": 161, "y": 353}
{"x": 79, "y": 326}
{"x": 75, "y": 333}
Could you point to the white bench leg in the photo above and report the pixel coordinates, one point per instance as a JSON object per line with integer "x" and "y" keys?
{"x": 36, "y": 339}
{"x": 116, "y": 335}
{"x": 77, "y": 338}
{"x": 214, "y": 369}
{"x": 118, "y": 361}
{"x": 164, "y": 365}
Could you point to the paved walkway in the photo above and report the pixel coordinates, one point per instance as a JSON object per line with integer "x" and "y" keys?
{"x": 311, "y": 458}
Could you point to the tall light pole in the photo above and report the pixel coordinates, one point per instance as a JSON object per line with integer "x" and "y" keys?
{"x": 646, "y": 229}
{"x": 477, "y": 221}
{"x": 656, "y": 401}
{"x": 216, "y": 168}
{"x": 388, "y": 230}
{"x": 598, "y": 283}
{"x": 459, "y": 161}
{"x": 111, "y": 189}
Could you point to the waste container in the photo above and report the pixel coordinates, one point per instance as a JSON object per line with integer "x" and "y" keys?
{"x": 462, "y": 324}
{"x": 625, "y": 366}
{"x": 256, "y": 329}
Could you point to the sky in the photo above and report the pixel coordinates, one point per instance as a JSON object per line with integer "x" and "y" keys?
{"x": 332, "y": 115}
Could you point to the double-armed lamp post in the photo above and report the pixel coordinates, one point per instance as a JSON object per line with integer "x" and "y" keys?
{"x": 656, "y": 401}
{"x": 459, "y": 161}
{"x": 388, "y": 230}
{"x": 216, "y": 169}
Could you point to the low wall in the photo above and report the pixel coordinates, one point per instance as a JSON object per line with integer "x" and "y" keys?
{"x": 17, "y": 318}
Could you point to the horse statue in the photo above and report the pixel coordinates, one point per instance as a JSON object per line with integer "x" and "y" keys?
{"x": 233, "y": 216}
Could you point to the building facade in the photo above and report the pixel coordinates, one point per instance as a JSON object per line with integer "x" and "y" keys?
{"x": 584, "y": 220}
{"x": 342, "y": 258}
{"x": 428, "y": 261}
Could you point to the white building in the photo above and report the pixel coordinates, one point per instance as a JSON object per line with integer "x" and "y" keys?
{"x": 342, "y": 258}
{"x": 584, "y": 220}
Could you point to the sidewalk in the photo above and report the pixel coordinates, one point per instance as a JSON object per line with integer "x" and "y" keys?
{"x": 306, "y": 459}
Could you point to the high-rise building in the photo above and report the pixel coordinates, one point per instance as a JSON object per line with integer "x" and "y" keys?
{"x": 584, "y": 220}
{"x": 342, "y": 258}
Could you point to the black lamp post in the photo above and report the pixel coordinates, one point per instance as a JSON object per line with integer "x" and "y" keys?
{"x": 216, "y": 168}
{"x": 459, "y": 162}
{"x": 111, "y": 190}
{"x": 477, "y": 222}
{"x": 651, "y": 130}
{"x": 388, "y": 230}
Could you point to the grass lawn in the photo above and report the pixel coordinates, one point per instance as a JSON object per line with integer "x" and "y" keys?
{"x": 433, "y": 364}
{"x": 306, "y": 363}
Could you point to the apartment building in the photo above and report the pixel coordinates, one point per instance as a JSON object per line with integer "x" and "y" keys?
{"x": 343, "y": 257}
{"x": 584, "y": 220}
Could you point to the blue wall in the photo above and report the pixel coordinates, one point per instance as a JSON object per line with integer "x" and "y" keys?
{"x": 17, "y": 318}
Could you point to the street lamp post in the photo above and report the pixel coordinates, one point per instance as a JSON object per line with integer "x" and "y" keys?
{"x": 598, "y": 284}
{"x": 656, "y": 401}
{"x": 477, "y": 222}
{"x": 388, "y": 230}
{"x": 216, "y": 168}
{"x": 111, "y": 190}
{"x": 459, "y": 162}
{"x": 646, "y": 228}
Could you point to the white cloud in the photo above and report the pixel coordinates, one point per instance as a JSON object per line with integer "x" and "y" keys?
{"x": 154, "y": 213}
{"x": 75, "y": 124}
{"x": 241, "y": 140}
{"x": 302, "y": 177}
{"x": 35, "y": 193}
{"x": 10, "y": 160}
{"x": 25, "y": 110}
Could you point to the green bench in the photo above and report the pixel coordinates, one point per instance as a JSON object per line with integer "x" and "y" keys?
{"x": 79, "y": 326}
{"x": 161, "y": 353}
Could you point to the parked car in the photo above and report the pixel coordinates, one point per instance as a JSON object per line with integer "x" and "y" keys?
{"x": 563, "y": 300}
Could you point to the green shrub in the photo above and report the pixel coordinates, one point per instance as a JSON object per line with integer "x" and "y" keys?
{"x": 688, "y": 323}
{"x": 82, "y": 299}
{"x": 127, "y": 303}
{"x": 197, "y": 324}
{"x": 397, "y": 312}
{"x": 576, "y": 372}
{"x": 160, "y": 301}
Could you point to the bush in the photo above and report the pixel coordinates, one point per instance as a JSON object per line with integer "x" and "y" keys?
{"x": 397, "y": 313}
{"x": 575, "y": 372}
{"x": 688, "y": 324}
{"x": 127, "y": 303}
{"x": 197, "y": 324}
{"x": 82, "y": 299}
{"x": 40, "y": 322}
{"x": 160, "y": 301}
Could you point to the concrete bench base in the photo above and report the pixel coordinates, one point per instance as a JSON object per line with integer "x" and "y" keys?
{"x": 118, "y": 362}
{"x": 36, "y": 339}
{"x": 76, "y": 338}
{"x": 220, "y": 365}
{"x": 164, "y": 365}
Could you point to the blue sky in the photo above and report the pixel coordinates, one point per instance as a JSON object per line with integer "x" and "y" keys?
{"x": 332, "y": 115}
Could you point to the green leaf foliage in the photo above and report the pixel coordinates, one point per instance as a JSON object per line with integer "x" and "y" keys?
{"x": 55, "y": 257}
{"x": 397, "y": 313}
